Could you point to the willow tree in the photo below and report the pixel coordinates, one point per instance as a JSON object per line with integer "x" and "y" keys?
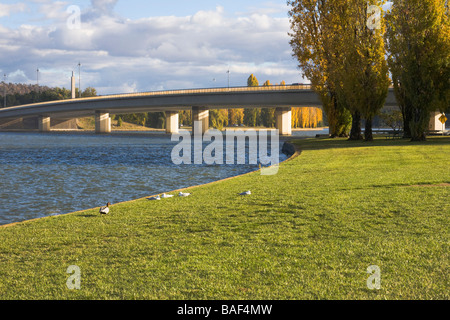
{"x": 418, "y": 43}
{"x": 312, "y": 33}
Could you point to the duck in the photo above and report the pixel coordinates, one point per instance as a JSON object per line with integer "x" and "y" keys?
{"x": 155, "y": 198}
{"x": 181, "y": 194}
{"x": 105, "y": 209}
{"x": 164, "y": 196}
{"x": 246, "y": 193}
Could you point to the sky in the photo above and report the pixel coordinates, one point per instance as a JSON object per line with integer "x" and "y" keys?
{"x": 137, "y": 46}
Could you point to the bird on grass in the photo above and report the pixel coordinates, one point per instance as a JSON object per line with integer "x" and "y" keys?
{"x": 246, "y": 193}
{"x": 155, "y": 198}
{"x": 164, "y": 196}
{"x": 181, "y": 194}
{"x": 105, "y": 209}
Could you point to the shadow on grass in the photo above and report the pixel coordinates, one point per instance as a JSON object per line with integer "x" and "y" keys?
{"x": 329, "y": 143}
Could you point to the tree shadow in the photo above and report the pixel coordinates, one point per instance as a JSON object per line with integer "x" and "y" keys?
{"x": 342, "y": 143}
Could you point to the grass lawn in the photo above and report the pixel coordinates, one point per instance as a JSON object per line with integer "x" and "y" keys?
{"x": 309, "y": 232}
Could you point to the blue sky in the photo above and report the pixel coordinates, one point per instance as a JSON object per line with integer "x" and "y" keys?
{"x": 137, "y": 45}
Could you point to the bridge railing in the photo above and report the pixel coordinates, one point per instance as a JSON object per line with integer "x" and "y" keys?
{"x": 298, "y": 86}
{"x": 214, "y": 90}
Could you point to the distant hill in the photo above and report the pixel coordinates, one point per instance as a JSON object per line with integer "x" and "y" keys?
{"x": 19, "y": 94}
{"x": 21, "y": 88}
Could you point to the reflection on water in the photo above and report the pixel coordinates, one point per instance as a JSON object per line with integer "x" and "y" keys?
{"x": 55, "y": 173}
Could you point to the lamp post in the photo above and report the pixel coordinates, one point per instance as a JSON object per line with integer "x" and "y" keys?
{"x": 4, "y": 91}
{"x": 37, "y": 78}
{"x": 228, "y": 78}
{"x": 79, "y": 79}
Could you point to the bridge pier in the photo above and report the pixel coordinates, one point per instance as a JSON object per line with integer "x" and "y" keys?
{"x": 201, "y": 114}
{"x": 102, "y": 122}
{"x": 283, "y": 117}
{"x": 44, "y": 124}
{"x": 172, "y": 121}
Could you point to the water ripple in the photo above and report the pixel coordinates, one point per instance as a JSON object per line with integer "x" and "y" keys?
{"x": 57, "y": 173}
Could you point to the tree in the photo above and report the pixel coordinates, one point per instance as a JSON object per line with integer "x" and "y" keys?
{"x": 252, "y": 81}
{"x": 218, "y": 118}
{"x": 392, "y": 119}
{"x": 312, "y": 36}
{"x": 185, "y": 117}
{"x": 362, "y": 71}
{"x": 251, "y": 116}
{"x": 89, "y": 92}
{"x": 418, "y": 43}
{"x": 267, "y": 115}
{"x": 235, "y": 116}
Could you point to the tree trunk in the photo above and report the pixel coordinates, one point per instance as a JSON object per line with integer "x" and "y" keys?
{"x": 406, "y": 112}
{"x": 418, "y": 124}
{"x": 355, "y": 133}
{"x": 368, "y": 134}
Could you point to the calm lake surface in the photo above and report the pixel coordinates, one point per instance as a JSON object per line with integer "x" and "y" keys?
{"x": 44, "y": 174}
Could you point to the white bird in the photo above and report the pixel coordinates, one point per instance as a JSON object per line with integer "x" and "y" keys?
{"x": 246, "y": 193}
{"x": 166, "y": 195}
{"x": 155, "y": 198}
{"x": 181, "y": 194}
{"x": 105, "y": 210}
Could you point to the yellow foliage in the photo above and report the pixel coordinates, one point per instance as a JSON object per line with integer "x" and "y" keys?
{"x": 306, "y": 117}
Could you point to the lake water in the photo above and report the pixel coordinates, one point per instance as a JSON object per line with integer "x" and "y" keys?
{"x": 44, "y": 174}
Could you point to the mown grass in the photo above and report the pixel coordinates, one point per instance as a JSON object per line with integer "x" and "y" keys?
{"x": 309, "y": 232}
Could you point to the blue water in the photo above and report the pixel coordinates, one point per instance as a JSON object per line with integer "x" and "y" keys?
{"x": 56, "y": 173}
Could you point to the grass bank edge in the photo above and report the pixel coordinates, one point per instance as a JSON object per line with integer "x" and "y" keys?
{"x": 293, "y": 156}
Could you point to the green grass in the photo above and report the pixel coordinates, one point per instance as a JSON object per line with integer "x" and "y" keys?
{"x": 309, "y": 232}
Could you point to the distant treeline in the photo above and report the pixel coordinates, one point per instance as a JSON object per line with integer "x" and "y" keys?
{"x": 19, "y": 94}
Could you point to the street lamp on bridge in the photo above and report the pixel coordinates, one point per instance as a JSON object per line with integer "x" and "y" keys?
{"x": 4, "y": 91}
{"x": 37, "y": 78}
{"x": 79, "y": 79}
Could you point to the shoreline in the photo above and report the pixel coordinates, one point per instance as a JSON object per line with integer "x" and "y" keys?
{"x": 293, "y": 156}
{"x": 149, "y": 130}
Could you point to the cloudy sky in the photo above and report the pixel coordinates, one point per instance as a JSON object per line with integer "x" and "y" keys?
{"x": 144, "y": 45}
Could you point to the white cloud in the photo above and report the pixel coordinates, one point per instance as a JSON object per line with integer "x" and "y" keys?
{"x": 120, "y": 55}
{"x": 7, "y": 9}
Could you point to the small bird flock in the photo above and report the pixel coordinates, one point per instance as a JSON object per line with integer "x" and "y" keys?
{"x": 105, "y": 209}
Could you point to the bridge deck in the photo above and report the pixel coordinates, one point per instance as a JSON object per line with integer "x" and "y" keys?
{"x": 175, "y": 100}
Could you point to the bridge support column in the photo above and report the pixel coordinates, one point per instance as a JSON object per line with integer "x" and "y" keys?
{"x": 102, "y": 122}
{"x": 283, "y": 118}
{"x": 44, "y": 124}
{"x": 201, "y": 114}
{"x": 172, "y": 122}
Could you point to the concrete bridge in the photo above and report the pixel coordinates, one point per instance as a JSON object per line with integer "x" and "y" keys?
{"x": 283, "y": 98}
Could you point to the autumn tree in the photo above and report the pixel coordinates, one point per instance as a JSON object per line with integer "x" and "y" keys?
{"x": 218, "y": 118}
{"x": 267, "y": 114}
{"x": 251, "y": 116}
{"x": 361, "y": 71}
{"x": 418, "y": 47}
{"x": 312, "y": 36}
